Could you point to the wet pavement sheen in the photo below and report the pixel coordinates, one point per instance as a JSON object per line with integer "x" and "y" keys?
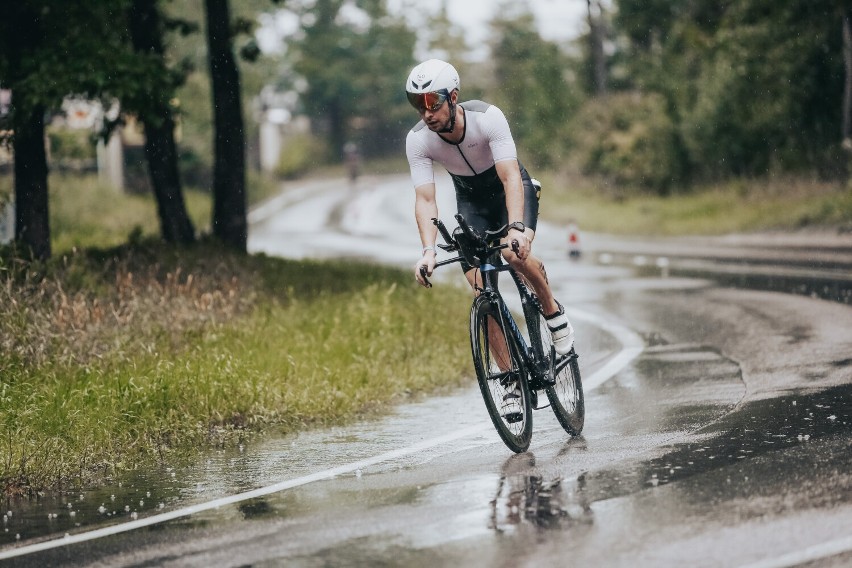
{"x": 727, "y": 442}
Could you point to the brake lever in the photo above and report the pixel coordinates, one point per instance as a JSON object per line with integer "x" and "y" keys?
{"x": 423, "y": 275}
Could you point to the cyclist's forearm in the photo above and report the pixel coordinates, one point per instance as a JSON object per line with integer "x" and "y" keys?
{"x": 426, "y": 209}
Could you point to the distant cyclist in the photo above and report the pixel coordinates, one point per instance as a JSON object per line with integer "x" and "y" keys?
{"x": 472, "y": 140}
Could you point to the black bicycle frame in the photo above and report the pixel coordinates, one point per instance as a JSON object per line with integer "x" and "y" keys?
{"x": 477, "y": 251}
{"x": 534, "y": 360}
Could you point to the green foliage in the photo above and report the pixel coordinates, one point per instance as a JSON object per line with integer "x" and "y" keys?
{"x": 68, "y": 144}
{"x": 754, "y": 86}
{"x": 354, "y": 76}
{"x": 301, "y": 153}
{"x": 532, "y": 88}
{"x": 629, "y": 139}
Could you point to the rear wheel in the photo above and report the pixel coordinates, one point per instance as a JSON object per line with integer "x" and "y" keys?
{"x": 501, "y": 375}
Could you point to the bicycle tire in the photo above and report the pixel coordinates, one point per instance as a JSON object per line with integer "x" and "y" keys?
{"x": 566, "y": 394}
{"x": 515, "y": 429}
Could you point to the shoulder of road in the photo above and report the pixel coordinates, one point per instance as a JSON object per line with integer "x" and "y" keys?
{"x": 828, "y": 252}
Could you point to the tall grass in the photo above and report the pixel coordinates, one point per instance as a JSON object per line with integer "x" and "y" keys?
{"x": 735, "y": 206}
{"x": 110, "y": 359}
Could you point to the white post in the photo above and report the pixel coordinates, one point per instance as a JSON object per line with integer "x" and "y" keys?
{"x": 111, "y": 162}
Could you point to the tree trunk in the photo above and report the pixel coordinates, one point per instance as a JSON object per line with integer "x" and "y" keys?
{"x": 161, "y": 152}
{"x": 846, "y": 128}
{"x": 229, "y": 186}
{"x": 596, "y": 47}
{"x": 32, "y": 224}
{"x": 160, "y": 146}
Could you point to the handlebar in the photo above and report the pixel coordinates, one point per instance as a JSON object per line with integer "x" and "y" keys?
{"x": 471, "y": 245}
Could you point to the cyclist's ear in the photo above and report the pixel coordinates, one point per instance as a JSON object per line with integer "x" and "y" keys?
{"x": 454, "y": 96}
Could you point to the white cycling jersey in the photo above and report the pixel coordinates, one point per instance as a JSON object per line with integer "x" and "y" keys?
{"x": 486, "y": 141}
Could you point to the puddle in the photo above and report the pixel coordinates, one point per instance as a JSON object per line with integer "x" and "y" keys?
{"x": 753, "y": 430}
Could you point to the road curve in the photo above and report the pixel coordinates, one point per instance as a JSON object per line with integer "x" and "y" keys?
{"x": 717, "y": 434}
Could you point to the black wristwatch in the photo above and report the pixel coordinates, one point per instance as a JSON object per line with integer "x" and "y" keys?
{"x": 517, "y": 225}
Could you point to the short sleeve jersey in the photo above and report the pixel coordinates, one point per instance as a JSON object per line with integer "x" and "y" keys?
{"x": 486, "y": 141}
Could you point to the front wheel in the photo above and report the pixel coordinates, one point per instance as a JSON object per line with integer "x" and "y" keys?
{"x": 566, "y": 393}
{"x": 501, "y": 375}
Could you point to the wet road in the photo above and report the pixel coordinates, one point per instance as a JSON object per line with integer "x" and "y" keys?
{"x": 718, "y": 433}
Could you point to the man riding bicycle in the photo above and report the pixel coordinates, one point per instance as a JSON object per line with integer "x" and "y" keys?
{"x": 472, "y": 140}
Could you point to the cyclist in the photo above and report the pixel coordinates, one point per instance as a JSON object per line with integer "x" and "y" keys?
{"x": 472, "y": 140}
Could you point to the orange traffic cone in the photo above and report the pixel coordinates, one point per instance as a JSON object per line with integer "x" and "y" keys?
{"x": 573, "y": 240}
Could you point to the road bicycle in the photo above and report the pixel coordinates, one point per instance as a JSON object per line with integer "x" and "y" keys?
{"x": 505, "y": 357}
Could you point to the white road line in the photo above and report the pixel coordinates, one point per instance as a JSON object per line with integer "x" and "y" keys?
{"x": 632, "y": 347}
{"x": 630, "y": 351}
{"x": 809, "y": 554}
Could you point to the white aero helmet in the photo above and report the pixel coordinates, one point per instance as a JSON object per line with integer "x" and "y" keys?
{"x": 432, "y": 75}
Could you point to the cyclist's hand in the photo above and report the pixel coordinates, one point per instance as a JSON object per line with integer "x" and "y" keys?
{"x": 427, "y": 262}
{"x": 523, "y": 243}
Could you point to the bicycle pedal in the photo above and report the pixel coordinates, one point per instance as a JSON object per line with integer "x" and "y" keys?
{"x": 514, "y": 417}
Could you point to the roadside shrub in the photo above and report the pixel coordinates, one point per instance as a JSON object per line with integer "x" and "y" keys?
{"x": 629, "y": 139}
{"x": 301, "y": 152}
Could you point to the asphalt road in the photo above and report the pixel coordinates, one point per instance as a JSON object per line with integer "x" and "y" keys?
{"x": 718, "y": 430}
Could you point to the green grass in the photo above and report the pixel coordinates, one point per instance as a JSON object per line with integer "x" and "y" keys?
{"x": 113, "y": 358}
{"x": 734, "y": 207}
{"x": 86, "y": 213}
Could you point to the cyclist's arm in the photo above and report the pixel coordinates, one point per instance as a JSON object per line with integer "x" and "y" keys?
{"x": 426, "y": 209}
{"x": 510, "y": 174}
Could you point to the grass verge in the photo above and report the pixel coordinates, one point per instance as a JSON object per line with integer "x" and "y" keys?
{"x": 111, "y": 359}
{"x": 737, "y": 206}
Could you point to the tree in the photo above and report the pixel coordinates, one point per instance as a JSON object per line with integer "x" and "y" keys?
{"x": 152, "y": 103}
{"x": 355, "y": 62}
{"x": 752, "y": 85}
{"x": 230, "y": 223}
{"x": 532, "y": 88}
{"x": 594, "y": 17}
{"x": 48, "y": 50}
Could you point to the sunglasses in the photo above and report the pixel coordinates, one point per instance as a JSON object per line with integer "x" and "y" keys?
{"x": 428, "y": 101}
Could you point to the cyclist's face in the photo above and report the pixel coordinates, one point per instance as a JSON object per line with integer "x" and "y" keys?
{"x": 437, "y": 117}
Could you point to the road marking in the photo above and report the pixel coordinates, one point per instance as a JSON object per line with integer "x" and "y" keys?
{"x": 809, "y": 554}
{"x": 632, "y": 347}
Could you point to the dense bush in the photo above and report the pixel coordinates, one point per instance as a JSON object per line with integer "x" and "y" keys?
{"x": 301, "y": 153}
{"x": 629, "y": 139}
